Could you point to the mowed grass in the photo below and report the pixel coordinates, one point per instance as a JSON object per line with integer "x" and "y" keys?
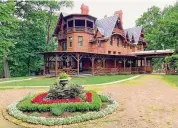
{"x": 172, "y": 79}
{"x": 39, "y": 81}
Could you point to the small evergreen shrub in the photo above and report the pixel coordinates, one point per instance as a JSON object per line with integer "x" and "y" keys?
{"x": 63, "y": 76}
{"x": 104, "y": 98}
{"x": 36, "y": 114}
{"x": 57, "y": 111}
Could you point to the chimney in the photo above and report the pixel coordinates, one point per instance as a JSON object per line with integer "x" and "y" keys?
{"x": 84, "y": 9}
{"x": 120, "y": 15}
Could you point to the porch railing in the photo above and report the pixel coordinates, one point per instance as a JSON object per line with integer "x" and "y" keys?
{"x": 80, "y": 29}
{"x": 69, "y": 71}
{"x": 127, "y": 70}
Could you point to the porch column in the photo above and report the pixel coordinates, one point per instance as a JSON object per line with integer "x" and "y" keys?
{"x": 78, "y": 62}
{"x": 115, "y": 63}
{"x": 130, "y": 66}
{"x": 93, "y": 64}
{"x": 145, "y": 64}
{"x": 56, "y": 67}
{"x": 124, "y": 63}
{"x": 166, "y": 67}
{"x": 104, "y": 61}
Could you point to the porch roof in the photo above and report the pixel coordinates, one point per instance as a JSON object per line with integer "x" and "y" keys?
{"x": 154, "y": 53}
{"x": 85, "y": 53}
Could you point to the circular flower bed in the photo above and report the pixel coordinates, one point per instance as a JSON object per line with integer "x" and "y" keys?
{"x": 14, "y": 111}
{"x": 62, "y": 105}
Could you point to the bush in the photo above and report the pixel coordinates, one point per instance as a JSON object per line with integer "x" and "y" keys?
{"x": 36, "y": 114}
{"x": 63, "y": 76}
{"x": 104, "y": 98}
{"x": 15, "y": 112}
{"x": 94, "y": 105}
{"x": 57, "y": 111}
{"x": 58, "y": 91}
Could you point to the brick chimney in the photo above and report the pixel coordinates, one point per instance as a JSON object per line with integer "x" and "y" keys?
{"x": 84, "y": 9}
{"x": 120, "y": 15}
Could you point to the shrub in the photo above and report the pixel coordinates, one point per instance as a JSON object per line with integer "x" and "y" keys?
{"x": 94, "y": 105}
{"x": 36, "y": 114}
{"x": 63, "y": 75}
{"x": 15, "y": 112}
{"x": 57, "y": 111}
{"x": 58, "y": 91}
{"x": 104, "y": 98}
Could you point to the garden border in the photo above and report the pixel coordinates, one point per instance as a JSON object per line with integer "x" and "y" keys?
{"x": 22, "y": 119}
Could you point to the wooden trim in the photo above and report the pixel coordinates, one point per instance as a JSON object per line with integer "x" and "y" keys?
{"x": 56, "y": 65}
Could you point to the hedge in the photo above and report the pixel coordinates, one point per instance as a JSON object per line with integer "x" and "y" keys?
{"x": 94, "y": 105}
{"x": 15, "y": 112}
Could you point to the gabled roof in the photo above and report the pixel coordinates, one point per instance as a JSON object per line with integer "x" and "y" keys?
{"x": 135, "y": 32}
{"x": 106, "y": 25}
{"x": 65, "y": 14}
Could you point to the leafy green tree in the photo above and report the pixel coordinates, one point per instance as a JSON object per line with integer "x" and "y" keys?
{"x": 7, "y": 30}
{"x": 161, "y": 28}
{"x": 31, "y": 35}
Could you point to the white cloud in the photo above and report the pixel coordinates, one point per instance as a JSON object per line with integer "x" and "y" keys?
{"x": 132, "y": 9}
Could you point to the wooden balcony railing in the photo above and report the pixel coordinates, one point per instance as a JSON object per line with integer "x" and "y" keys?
{"x": 80, "y": 29}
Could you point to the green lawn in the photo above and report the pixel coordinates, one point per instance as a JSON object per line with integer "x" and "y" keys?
{"x": 172, "y": 79}
{"x": 84, "y": 81}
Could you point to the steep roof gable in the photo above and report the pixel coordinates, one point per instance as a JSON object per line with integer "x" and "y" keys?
{"x": 106, "y": 25}
{"x": 135, "y": 32}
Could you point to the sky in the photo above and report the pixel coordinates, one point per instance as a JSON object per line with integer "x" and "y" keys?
{"x": 132, "y": 9}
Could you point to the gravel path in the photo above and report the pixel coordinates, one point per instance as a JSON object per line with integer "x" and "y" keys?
{"x": 145, "y": 102}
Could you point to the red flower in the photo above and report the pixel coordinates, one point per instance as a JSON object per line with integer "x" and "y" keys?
{"x": 40, "y": 99}
{"x": 89, "y": 96}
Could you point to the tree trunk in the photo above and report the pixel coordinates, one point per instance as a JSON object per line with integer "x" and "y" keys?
{"x": 6, "y": 67}
{"x": 49, "y": 26}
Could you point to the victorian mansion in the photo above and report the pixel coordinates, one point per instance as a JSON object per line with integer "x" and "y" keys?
{"x": 98, "y": 46}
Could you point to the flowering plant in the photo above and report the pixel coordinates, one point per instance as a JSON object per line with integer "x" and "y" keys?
{"x": 40, "y": 99}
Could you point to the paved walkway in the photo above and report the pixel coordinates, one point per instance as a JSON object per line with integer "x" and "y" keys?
{"x": 10, "y": 81}
{"x": 145, "y": 102}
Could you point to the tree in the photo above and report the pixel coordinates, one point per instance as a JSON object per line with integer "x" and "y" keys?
{"x": 7, "y": 27}
{"x": 34, "y": 31}
{"x": 161, "y": 28}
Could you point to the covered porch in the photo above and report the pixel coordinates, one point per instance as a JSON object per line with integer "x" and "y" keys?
{"x": 77, "y": 63}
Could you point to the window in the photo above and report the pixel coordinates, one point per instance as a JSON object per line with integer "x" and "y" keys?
{"x": 119, "y": 53}
{"x": 70, "y": 23}
{"x": 139, "y": 47}
{"x": 114, "y": 52}
{"x": 109, "y": 52}
{"x": 70, "y": 41}
{"x": 89, "y": 24}
{"x": 80, "y": 23}
{"x": 99, "y": 43}
{"x": 111, "y": 41}
{"x": 80, "y": 40}
{"x": 118, "y": 42}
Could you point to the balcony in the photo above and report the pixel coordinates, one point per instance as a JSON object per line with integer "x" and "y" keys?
{"x": 80, "y": 29}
